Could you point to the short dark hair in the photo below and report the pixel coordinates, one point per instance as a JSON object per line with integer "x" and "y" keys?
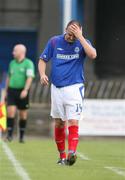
{"x": 74, "y": 22}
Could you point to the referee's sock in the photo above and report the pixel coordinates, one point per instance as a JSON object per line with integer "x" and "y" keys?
{"x": 22, "y": 128}
{"x": 10, "y": 127}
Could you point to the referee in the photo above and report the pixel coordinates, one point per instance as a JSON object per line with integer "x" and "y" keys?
{"x": 20, "y": 76}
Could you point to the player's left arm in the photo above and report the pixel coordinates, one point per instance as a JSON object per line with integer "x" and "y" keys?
{"x": 30, "y": 75}
{"x": 89, "y": 50}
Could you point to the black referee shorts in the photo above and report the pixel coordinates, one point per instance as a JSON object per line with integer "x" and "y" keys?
{"x": 13, "y": 98}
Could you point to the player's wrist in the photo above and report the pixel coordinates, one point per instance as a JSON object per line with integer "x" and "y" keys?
{"x": 80, "y": 37}
{"x": 42, "y": 75}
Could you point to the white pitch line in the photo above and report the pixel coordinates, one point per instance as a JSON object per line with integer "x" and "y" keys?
{"x": 117, "y": 170}
{"x": 19, "y": 169}
{"x": 83, "y": 157}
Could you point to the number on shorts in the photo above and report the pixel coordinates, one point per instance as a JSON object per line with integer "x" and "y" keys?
{"x": 78, "y": 108}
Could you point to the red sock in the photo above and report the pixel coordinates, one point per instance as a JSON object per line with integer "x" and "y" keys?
{"x": 73, "y": 139}
{"x": 60, "y": 141}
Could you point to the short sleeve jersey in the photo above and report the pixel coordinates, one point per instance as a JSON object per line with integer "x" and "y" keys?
{"x": 67, "y": 60}
{"x": 19, "y": 72}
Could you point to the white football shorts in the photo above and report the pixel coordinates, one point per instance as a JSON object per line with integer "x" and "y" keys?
{"x": 67, "y": 102}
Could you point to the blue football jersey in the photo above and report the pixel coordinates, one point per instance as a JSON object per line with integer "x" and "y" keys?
{"x": 67, "y": 61}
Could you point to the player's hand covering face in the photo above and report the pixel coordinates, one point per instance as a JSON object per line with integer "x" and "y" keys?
{"x": 75, "y": 30}
{"x": 69, "y": 36}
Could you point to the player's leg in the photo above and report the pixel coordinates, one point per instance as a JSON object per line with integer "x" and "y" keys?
{"x": 11, "y": 112}
{"x": 74, "y": 105}
{"x": 57, "y": 112}
{"x": 73, "y": 138}
{"x": 60, "y": 138}
{"x": 22, "y": 124}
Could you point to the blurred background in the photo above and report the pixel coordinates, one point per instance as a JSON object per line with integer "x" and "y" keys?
{"x": 33, "y": 22}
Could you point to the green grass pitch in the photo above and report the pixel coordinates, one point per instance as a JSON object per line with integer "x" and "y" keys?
{"x": 39, "y": 157}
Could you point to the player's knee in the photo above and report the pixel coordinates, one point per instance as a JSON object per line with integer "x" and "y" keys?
{"x": 73, "y": 122}
{"x": 59, "y": 123}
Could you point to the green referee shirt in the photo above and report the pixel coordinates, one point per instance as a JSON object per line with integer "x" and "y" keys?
{"x": 19, "y": 72}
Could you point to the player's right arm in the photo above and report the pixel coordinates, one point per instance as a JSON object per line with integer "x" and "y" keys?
{"x": 42, "y": 71}
{"x": 44, "y": 58}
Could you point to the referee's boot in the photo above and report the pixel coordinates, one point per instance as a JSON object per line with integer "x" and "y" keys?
{"x": 8, "y": 138}
{"x": 21, "y": 140}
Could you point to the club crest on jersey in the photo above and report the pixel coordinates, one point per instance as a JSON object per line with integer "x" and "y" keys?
{"x": 44, "y": 55}
{"x": 76, "y": 49}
